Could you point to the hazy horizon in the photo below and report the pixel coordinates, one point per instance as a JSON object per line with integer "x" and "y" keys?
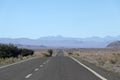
{"x": 60, "y": 36}
{"x": 69, "y": 18}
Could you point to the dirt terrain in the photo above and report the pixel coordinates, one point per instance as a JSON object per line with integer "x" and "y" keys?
{"x": 107, "y": 58}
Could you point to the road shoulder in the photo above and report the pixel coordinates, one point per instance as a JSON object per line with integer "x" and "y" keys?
{"x": 101, "y": 71}
{"x": 21, "y": 61}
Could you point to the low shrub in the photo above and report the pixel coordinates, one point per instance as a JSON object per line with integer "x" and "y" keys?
{"x": 70, "y": 53}
{"x": 50, "y": 51}
{"x": 26, "y": 52}
{"x": 10, "y": 50}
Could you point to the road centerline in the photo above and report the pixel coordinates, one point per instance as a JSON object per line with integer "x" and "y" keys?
{"x": 28, "y": 76}
{"x": 41, "y": 65}
{"x": 36, "y": 69}
{"x": 44, "y": 63}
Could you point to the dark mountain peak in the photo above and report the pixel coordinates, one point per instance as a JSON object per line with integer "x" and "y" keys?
{"x": 115, "y": 44}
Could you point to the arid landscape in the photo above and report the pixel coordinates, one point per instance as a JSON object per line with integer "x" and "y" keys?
{"x": 59, "y": 39}
{"x": 107, "y": 58}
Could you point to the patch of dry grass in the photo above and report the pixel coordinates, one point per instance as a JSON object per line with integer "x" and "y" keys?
{"x": 5, "y": 61}
{"x": 106, "y": 58}
{"x": 40, "y": 52}
{"x": 37, "y": 53}
{"x": 44, "y": 52}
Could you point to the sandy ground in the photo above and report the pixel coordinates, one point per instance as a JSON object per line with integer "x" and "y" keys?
{"x": 106, "y": 58}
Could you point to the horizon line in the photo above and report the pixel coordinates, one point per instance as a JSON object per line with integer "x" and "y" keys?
{"x": 49, "y": 36}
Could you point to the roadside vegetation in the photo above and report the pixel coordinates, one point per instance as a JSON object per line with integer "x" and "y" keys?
{"x": 9, "y": 53}
{"x": 107, "y": 58}
{"x": 44, "y": 52}
{"x": 49, "y": 53}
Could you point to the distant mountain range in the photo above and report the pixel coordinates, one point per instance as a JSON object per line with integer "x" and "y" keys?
{"x": 114, "y": 44}
{"x": 64, "y": 42}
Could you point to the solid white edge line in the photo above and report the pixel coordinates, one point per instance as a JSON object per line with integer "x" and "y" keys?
{"x": 95, "y": 73}
{"x": 16, "y": 63}
{"x": 28, "y": 76}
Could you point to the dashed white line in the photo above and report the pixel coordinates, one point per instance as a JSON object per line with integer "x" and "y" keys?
{"x": 95, "y": 73}
{"x": 47, "y": 61}
{"x": 36, "y": 69}
{"x": 28, "y": 76}
{"x": 44, "y": 63}
{"x": 41, "y": 65}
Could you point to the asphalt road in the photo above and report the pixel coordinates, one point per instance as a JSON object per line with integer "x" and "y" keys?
{"x": 54, "y": 68}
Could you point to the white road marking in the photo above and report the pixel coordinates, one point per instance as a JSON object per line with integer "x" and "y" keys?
{"x": 47, "y": 61}
{"x": 41, "y": 65}
{"x": 16, "y": 63}
{"x": 95, "y": 73}
{"x": 28, "y": 76}
{"x": 44, "y": 63}
{"x": 36, "y": 69}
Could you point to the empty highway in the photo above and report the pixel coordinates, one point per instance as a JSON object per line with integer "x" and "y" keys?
{"x": 59, "y": 67}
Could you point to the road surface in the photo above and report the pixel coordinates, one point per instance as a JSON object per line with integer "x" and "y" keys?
{"x": 59, "y": 67}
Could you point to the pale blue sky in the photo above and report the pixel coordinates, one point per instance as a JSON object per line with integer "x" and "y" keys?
{"x": 69, "y": 18}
